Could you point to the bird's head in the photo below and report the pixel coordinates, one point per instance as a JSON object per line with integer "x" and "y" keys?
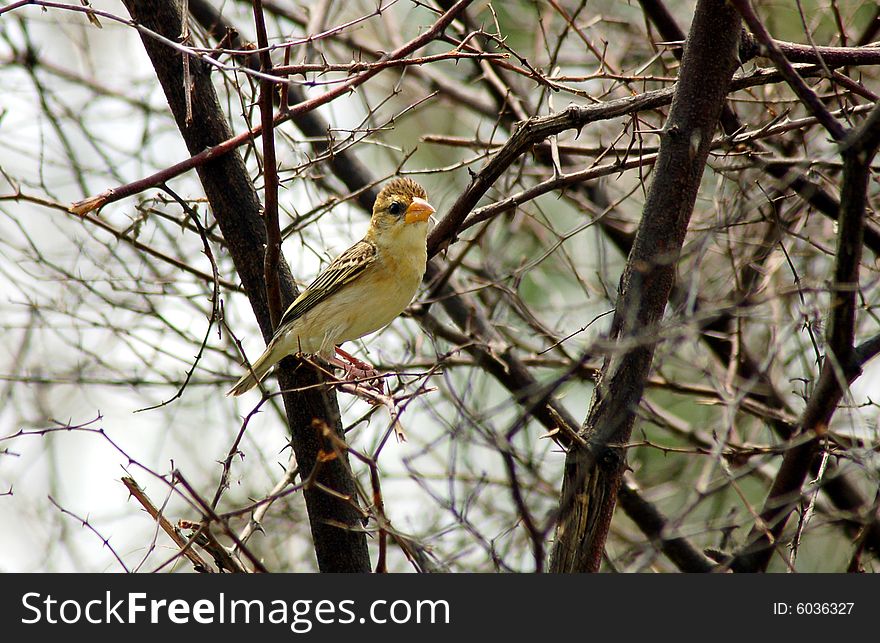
{"x": 401, "y": 204}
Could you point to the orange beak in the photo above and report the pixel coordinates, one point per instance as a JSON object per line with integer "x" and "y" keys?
{"x": 419, "y": 210}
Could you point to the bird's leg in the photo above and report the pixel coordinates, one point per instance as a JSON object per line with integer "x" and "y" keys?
{"x": 356, "y": 369}
{"x": 354, "y": 361}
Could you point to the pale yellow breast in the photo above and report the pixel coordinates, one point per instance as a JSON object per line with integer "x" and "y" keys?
{"x": 371, "y": 301}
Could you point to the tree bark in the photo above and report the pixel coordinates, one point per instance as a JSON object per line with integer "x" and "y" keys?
{"x": 842, "y": 362}
{"x": 236, "y": 208}
{"x": 593, "y": 474}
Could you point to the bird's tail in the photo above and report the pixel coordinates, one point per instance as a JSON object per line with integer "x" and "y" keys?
{"x": 258, "y": 370}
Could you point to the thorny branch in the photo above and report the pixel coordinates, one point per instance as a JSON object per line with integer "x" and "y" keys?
{"x": 538, "y": 146}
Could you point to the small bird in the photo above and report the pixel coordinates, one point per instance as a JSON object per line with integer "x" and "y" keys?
{"x": 362, "y": 290}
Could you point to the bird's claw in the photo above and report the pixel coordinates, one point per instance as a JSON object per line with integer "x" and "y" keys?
{"x": 358, "y": 371}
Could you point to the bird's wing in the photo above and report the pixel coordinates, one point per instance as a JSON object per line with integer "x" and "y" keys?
{"x": 344, "y": 269}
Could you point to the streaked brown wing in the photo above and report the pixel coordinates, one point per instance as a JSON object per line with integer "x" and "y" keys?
{"x": 344, "y": 269}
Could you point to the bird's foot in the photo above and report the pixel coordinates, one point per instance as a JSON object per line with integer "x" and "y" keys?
{"x": 355, "y": 369}
{"x": 354, "y": 361}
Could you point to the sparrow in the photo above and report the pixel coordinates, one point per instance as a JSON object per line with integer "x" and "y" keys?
{"x": 362, "y": 290}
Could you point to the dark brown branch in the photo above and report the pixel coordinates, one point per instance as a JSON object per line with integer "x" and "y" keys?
{"x": 588, "y": 491}
{"x": 505, "y": 366}
{"x": 527, "y": 134}
{"x": 270, "y": 171}
{"x": 845, "y": 496}
{"x": 223, "y": 147}
{"x": 653, "y": 525}
{"x": 842, "y": 362}
{"x": 538, "y": 128}
{"x": 750, "y": 46}
{"x": 808, "y": 189}
{"x": 773, "y": 51}
{"x": 210, "y": 516}
{"x": 185, "y": 545}
{"x": 235, "y": 206}
{"x": 344, "y": 163}
{"x": 798, "y": 53}
{"x": 360, "y": 66}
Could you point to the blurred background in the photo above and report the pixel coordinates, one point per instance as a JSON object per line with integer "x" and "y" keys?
{"x": 115, "y": 360}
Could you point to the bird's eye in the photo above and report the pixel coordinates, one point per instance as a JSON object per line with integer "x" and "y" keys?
{"x": 395, "y": 208}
